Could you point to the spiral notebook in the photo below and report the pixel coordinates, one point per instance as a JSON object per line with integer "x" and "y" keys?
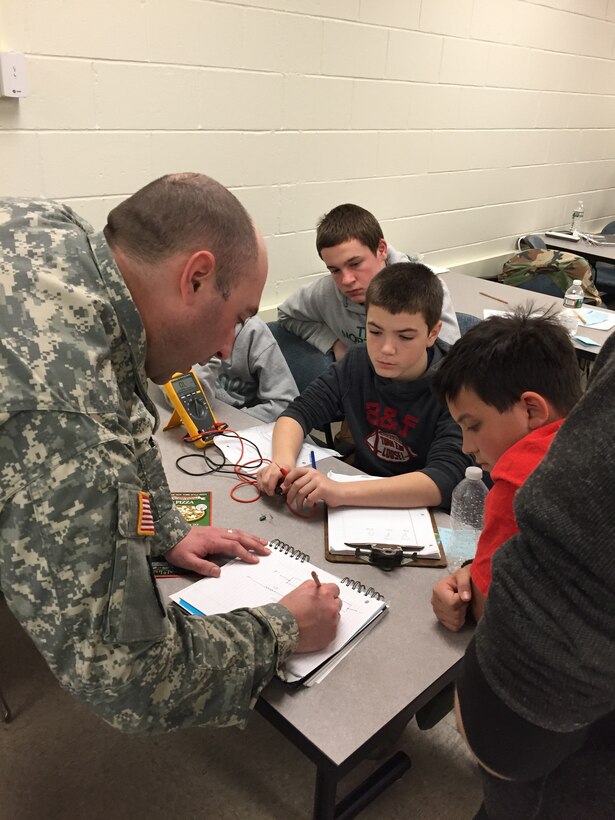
{"x": 242, "y": 586}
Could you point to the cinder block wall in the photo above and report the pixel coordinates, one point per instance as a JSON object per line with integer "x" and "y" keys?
{"x": 460, "y": 123}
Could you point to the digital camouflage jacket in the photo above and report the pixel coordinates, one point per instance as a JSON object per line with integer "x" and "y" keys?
{"x": 79, "y": 473}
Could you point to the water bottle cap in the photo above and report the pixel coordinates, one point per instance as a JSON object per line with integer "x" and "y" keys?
{"x": 577, "y": 282}
{"x": 474, "y": 473}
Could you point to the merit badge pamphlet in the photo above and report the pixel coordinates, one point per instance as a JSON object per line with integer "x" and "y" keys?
{"x": 196, "y": 509}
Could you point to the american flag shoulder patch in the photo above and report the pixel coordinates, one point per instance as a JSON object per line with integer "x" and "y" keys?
{"x": 145, "y": 519}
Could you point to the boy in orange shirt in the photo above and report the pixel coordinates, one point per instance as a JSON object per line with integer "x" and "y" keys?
{"x": 508, "y": 382}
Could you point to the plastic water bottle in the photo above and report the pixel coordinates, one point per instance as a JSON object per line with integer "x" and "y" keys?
{"x": 573, "y": 298}
{"x": 467, "y": 513}
{"x": 569, "y": 319}
{"x": 577, "y": 217}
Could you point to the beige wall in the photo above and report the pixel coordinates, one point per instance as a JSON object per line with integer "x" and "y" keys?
{"x": 460, "y": 123}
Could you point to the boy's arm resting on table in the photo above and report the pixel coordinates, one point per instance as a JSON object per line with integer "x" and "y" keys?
{"x": 302, "y": 314}
{"x": 287, "y": 439}
{"x": 320, "y": 402}
{"x": 306, "y": 485}
{"x": 446, "y": 462}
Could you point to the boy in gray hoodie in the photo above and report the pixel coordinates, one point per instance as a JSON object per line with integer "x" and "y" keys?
{"x": 330, "y": 313}
{"x": 255, "y": 378}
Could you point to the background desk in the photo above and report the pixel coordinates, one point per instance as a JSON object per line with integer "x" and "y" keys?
{"x": 593, "y": 253}
{"x": 406, "y": 660}
{"x": 467, "y": 297}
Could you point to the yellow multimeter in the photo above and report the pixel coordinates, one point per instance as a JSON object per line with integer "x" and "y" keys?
{"x": 191, "y": 408}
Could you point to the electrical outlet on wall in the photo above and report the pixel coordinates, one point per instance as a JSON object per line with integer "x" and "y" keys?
{"x": 13, "y": 76}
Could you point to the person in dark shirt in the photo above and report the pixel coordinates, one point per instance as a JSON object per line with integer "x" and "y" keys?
{"x": 401, "y": 431}
{"x": 536, "y": 691}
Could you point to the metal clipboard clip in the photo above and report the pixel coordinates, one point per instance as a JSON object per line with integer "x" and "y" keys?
{"x": 385, "y": 556}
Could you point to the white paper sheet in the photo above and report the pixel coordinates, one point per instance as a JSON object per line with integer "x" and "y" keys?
{"x": 597, "y": 319}
{"x": 380, "y": 525}
{"x": 262, "y": 436}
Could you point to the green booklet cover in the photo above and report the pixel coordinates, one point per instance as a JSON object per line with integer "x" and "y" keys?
{"x": 196, "y": 509}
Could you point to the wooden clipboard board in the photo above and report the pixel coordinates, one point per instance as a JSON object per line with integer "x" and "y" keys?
{"x": 350, "y": 559}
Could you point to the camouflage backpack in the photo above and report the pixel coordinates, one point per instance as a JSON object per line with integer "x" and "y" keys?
{"x": 561, "y": 268}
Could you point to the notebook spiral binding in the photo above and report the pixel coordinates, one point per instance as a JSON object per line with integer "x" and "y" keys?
{"x": 282, "y": 546}
{"x": 369, "y": 592}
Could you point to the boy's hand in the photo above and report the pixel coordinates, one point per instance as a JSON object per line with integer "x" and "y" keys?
{"x": 450, "y": 599}
{"x": 304, "y": 485}
{"x": 270, "y": 476}
{"x": 317, "y": 612}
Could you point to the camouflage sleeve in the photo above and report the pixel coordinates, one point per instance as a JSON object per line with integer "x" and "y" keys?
{"x": 75, "y": 573}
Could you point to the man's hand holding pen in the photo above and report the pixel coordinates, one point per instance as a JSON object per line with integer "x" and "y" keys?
{"x": 316, "y": 608}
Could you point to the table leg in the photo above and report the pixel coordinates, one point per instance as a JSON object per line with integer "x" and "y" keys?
{"x": 6, "y": 712}
{"x": 324, "y": 795}
{"x": 325, "y": 807}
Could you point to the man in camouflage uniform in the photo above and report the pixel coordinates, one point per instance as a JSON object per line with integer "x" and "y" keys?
{"x": 84, "y": 318}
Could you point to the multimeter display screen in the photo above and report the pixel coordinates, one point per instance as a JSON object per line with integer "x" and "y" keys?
{"x": 184, "y": 384}
{"x": 189, "y": 393}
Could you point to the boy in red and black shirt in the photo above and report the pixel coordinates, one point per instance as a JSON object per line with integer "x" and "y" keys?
{"x": 401, "y": 431}
{"x": 509, "y": 383}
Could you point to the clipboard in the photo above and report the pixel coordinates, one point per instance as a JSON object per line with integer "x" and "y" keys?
{"x": 336, "y": 558}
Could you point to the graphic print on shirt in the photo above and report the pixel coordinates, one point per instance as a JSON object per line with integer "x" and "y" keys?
{"x": 234, "y": 385}
{"x": 355, "y": 338}
{"x": 387, "y": 442}
{"x": 388, "y": 447}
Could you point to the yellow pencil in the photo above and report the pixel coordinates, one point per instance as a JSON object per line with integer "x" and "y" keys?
{"x": 580, "y": 317}
{"x": 497, "y": 298}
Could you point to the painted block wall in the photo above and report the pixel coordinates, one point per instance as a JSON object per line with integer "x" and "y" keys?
{"x": 460, "y": 123}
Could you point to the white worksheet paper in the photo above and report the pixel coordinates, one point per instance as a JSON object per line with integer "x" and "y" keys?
{"x": 379, "y": 525}
{"x": 245, "y": 586}
{"x": 594, "y": 318}
{"x": 262, "y": 436}
{"x": 597, "y": 319}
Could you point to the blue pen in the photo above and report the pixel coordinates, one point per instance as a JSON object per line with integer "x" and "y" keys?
{"x": 313, "y": 459}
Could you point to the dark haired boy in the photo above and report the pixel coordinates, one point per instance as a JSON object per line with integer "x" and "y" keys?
{"x": 330, "y": 313}
{"x": 401, "y": 431}
{"x": 508, "y": 382}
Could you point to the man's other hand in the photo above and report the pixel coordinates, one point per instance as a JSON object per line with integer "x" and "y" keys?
{"x": 190, "y": 552}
